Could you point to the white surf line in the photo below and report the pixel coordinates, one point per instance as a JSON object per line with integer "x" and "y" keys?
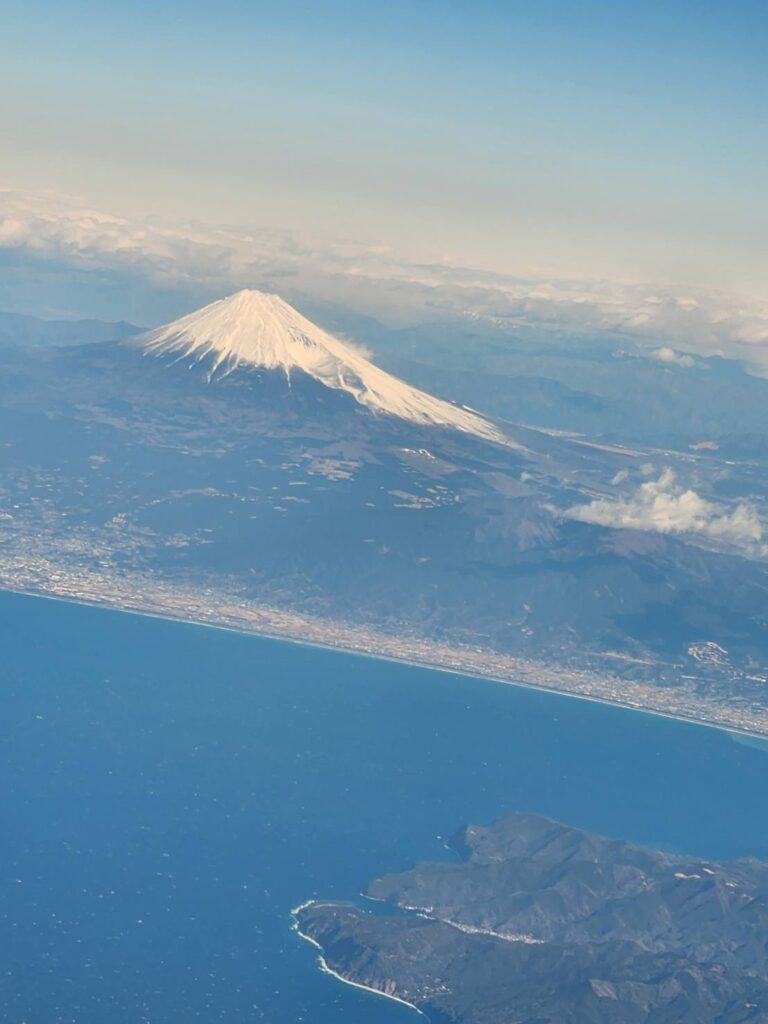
{"x": 366, "y": 988}
{"x": 335, "y": 974}
{"x": 429, "y": 914}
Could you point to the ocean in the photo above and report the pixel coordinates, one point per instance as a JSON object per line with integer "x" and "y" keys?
{"x": 170, "y": 791}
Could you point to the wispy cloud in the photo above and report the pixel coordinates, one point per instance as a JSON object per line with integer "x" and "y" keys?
{"x": 664, "y": 506}
{"x": 374, "y": 280}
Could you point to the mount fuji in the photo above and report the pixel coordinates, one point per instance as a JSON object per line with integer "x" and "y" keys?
{"x": 257, "y": 330}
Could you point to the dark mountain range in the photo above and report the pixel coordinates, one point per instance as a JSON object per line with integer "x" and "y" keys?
{"x": 31, "y": 331}
{"x": 544, "y": 924}
{"x": 612, "y": 386}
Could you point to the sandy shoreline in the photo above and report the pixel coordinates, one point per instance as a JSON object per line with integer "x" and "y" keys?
{"x": 367, "y": 644}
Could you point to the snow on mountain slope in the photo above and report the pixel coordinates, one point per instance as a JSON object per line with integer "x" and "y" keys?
{"x": 257, "y": 329}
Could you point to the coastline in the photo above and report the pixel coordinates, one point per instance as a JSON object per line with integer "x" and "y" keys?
{"x": 335, "y": 974}
{"x": 286, "y": 627}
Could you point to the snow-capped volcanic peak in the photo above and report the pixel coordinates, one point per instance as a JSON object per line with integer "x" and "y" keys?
{"x": 256, "y": 329}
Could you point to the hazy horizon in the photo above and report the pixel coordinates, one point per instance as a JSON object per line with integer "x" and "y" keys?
{"x": 596, "y": 142}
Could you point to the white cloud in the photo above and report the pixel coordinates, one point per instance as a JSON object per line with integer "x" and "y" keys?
{"x": 664, "y": 506}
{"x": 671, "y": 357}
{"x": 65, "y": 228}
{"x": 374, "y": 281}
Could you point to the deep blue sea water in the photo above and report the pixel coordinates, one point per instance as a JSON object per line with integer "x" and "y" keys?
{"x": 169, "y": 792}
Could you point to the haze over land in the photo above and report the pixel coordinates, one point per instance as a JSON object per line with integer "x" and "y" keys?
{"x": 246, "y": 467}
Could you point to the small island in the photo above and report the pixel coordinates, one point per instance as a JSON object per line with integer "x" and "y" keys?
{"x": 540, "y": 923}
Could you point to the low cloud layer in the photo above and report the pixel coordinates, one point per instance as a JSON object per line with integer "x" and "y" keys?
{"x": 664, "y": 506}
{"x": 376, "y": 282}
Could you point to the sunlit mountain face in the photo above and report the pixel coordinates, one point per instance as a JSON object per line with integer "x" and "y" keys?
{"x": 255, "y": 330}
{"x": 242, "y": 461}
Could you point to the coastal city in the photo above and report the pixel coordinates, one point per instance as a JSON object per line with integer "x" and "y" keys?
{"x": 25, "y": 569}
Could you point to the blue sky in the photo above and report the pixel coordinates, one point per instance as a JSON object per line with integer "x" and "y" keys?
{"x": 596, "y": 138}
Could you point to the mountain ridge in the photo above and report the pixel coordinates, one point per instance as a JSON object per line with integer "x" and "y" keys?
{"x": 543, "y": 923}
